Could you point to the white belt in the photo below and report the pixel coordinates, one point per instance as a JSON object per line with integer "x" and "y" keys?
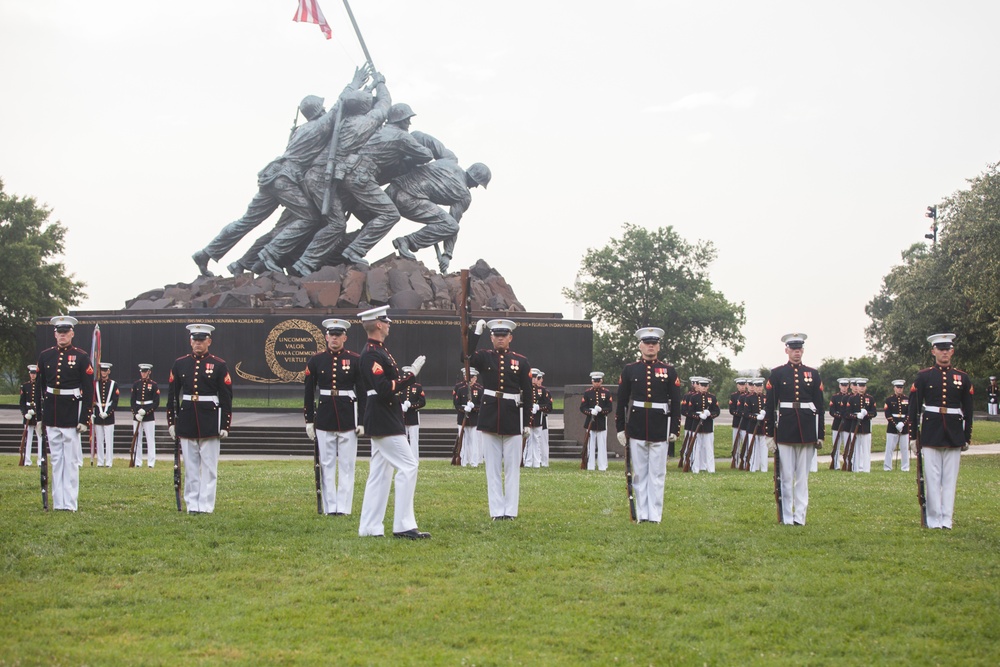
{"x": 796, "y": 405}
{"x": 144, "y": 402}
{"x": 372, "y": 392}
{"x": 511, "y": 397}
{"x": 197, "y": 397}
{"x": 648, "y": 405}
{"x": 339, "y": 392}
{"x": 55, "y": 391}
{"x": 944, "y": 410}
{"x": 899, "y": 416}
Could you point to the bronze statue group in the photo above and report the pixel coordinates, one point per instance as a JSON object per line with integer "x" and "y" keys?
{"x": 358, "y": 159}
{"x": 501, "y": 408}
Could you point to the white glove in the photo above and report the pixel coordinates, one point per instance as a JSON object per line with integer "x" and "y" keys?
{"x": 819, "y": 444}
{"x": 172, "y": 431}
{"x": 762, "y": 415}
{"x": 81, "y": 428}
{"x": 480, "y": 326}
{"x": 311, "y": 431}
{"x": 771, "y": 446}
{"x": 359, "y": 429}
{"x": 406, "y": 406}
{"x": 525, "y": 431}
{"x": 535, "y": 407}
{"x": 104, "y": 415}
{"x": 596, "y": 410}
{"x": 899, "y": 426}
{"x": 29, "y": 414}
{"x": 418, "y": 363}
{"x": 705, "y": 414}
{"x": 862, "y": 414}
{"x": 38, "y": 430}
{"x": 621, "y": 438}
{"x": 140, "y": 414}
{"x": 470, "y": 406}
{"x": 223, "y": 434}
{"x": 672, "y": 437}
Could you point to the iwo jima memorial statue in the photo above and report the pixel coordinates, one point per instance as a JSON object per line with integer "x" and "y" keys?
{"x": 347, "y": 177}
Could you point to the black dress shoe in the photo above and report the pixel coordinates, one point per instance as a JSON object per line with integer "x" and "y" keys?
{"x": 509, "y": 518}
{"x": 413, "y": 534}
{"x": 798, "y": 524}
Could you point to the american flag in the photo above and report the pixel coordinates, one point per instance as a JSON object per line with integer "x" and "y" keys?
{"x": 309, "y": 12}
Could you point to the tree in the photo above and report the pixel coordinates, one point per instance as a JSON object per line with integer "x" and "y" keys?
{"x": 656, "y": 278}
{"x": 952, "y": 287}
{"x": 34, "y": 284}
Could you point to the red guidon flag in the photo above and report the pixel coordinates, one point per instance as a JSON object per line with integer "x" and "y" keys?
{"x": 309, "y": 12}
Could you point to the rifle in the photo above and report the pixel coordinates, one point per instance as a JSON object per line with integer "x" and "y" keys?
{"x": 833, "y": 454}
{"x": 628, "y": 479}
{"x": 686, "y": 457}
{"x": 736, "y": 443}
{"x": 24, "y": 444}
{"x": 849, "y": 449}
{"x": 777, "y": 482}
{"x": 95, "y": 360}
{"x": 921, "y": 492}
{"x": 749, "y": 446}
{"x": 177, "y": 471}
{"x": 319, "y": 476}
{"x": 131, "y": 451}
{"x": 464, "y": 306}
{"x": 586, "y": 444}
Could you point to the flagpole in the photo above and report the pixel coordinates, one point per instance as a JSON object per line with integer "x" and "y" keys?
{"x": 361, "y": 39}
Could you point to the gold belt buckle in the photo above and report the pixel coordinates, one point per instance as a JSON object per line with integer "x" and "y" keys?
{"x": 194, "y": 397}
{"x": 647, "y": 404}
{"x": 944, "y": 410}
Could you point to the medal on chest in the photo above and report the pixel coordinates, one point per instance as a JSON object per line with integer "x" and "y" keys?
{"x": 209, "y": 368}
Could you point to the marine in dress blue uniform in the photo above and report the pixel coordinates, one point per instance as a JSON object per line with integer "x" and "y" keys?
{"x": 200, "y": 413}
{"x": 383, "y": 421}
{"x": 504, "y": 413}
{"x": 466, "y": 397}
{"x": 597, "y": 403}
{"x": 65, "y": 391}
{"x": 703, "y": 407}
{"x": 411, "y": 399}
{"x": 837, "y": 409}
{"x": 333, "y": 399}
{"x": 897, "y": 433}
{"x": 648, "y": 414}
{"x": 940, "y": 418}
{"x": 105, "y": 404}
{"x": 29, "y": 413}
{"x": 795, "y": 420}
{"x": 145, "y": 399}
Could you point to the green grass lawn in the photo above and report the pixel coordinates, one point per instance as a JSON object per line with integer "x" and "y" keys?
{"x": 265, "y": 580}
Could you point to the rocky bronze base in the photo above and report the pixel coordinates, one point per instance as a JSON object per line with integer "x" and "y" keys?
{"x": 401, "y": 283}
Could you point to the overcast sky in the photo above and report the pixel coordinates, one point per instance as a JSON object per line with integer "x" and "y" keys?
{"x": 804, "y": 139}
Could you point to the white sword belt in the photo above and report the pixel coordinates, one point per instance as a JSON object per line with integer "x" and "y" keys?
{"x": 651, "y": 406}
{"x": 795, "y": 405}
{"x": 510, "y": 397}
{"x": 198, "y": 397}
{"x": 144, "y": 402}
{"x": 56, "y": 391}
{"x": 338, "y": 392}
{"x": 943, "y": 410}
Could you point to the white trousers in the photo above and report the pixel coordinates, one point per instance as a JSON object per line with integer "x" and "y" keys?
{"x": 814, "y": 457}
{"x": 413, "y": 437}
{"x": 863, "y": 453}
{"x": 597, "y": 450}
{"x": 992, "y": 408}
{"x": 502, "y": 454}
{"x": 703, "y": 456}
{"x": 545, "y": 448}
{"x": 338, "y": 453}
{"x": 104, "y": 434}
{"x": 794, "y": 482}
{"x": 390, "y": 454}
{"x": 892, "y": 440}
{"x": 65, "y": 456}
{"x": 32, "y": 436}
{"x": 759, "y": 456}
{"x": 201, "y": 472}
{"x": 474, "y": 440}
{"x": 940, "y": 481}
{"x": 149, "y": 432}
{"x": 649, "y": 476}
{"x": 533, "y": 448}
